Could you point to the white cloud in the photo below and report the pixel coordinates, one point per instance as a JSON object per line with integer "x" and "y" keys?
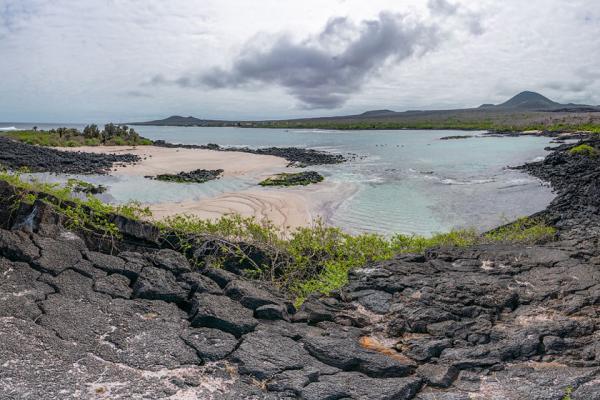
{"x": 88, "y": 60}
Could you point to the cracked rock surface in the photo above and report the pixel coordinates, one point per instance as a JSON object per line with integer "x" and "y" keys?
{"x": 485, "y": 322}
{"x": 501, "y": 322}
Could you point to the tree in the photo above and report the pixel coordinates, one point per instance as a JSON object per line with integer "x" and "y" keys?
{"x": 91, "y": 132}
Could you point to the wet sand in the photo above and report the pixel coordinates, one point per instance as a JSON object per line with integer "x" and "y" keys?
{"x": 287, "y": 208}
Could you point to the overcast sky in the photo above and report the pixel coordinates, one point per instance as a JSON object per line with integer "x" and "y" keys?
{"x": 129, "y": 60}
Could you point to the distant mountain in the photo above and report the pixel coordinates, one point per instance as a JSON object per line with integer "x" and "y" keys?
{"x": 532, "y": 101}
{"x": 529, "y": 101}
{"x": 525, "y": 109}
{"x": 177, "y": 120}
{"x": 377, "y": 113}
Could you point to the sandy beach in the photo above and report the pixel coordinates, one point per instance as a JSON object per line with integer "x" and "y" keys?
{"x": 162, "y": 160}
{"x": 287, "y": 208}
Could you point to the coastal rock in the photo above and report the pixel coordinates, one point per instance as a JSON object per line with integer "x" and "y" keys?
{"x": 296, "y": 179}
{"x": 55, "y": 256}
{"x": 352, "y": 385}
{"x": 501, "y": 321}
{"x": 158, "y": 284}
{"x": 196, "y": 176}
{"x": 15, "y": 155}
{"x": 210, "y": 344}
{"x": 297, "y": 156}
{"x": 114, "y": 285}
{"x": 220, "y": 312}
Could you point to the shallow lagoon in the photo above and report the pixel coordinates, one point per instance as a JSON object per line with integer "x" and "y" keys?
{"x": 402, "y": 181}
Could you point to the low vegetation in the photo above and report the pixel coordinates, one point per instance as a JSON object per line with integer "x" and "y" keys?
{"x": 111, "y": 135}
{"x": 318, "y": 258}
{"x": 301, "y": 262}
{"x": 293, "y": 179}
{"x": 584, "y": 150}
{"x": 85, "y": 213}
{"x": 79, "y": 186}
{"x": 504, "y": 124}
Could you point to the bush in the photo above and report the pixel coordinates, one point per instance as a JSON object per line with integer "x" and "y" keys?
{"x": 584, "y": 150}
{"x": 318, "y": 258}
{"x": 523, "y": 230}
{"x": 91, "y": 136}
{"x": 87, "y": 213}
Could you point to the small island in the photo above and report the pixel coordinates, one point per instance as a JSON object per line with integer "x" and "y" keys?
{"x": 455, "y": 137}
{"x": 196, "y": 176}
{"x": 293, "y": 179}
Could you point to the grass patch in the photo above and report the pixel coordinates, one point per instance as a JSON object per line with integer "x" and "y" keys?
{"x": 510, "y": 123}
{"x": 568, "y": 392}
{"x": 319, "y": 258}
{"x": 293, "y": 179}
{"x": 85, "y": 213}
{"x": 111, "y": 135}
{"x": 584, "y": 150}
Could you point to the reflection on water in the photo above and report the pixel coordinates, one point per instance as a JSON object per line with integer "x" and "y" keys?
{"x": 408, "y": 181}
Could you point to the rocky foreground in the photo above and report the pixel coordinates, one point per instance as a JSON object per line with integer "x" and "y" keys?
{"x": 484, "y": 322}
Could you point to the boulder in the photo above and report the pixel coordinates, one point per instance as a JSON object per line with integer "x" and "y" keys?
{"x": 220, "y": 312}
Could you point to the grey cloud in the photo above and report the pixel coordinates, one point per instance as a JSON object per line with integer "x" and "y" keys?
{"x": 324, "y": 70}
{"x": 137, "y": 93}
{"x": 582, "y": 81}
{"x": 442, "y": 7}
{"x": 568, "y": 86}
{"x": 15, "y": 14}
{"x": 447, "y": 9}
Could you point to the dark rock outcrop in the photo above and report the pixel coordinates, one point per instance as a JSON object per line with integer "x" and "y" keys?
{"x": 296, "y": 179}
{"x": 298, "y": 157}
{"x": 489, "y": 321}
{"x": 16, "y": 155}
{"x": 195, "y": 176}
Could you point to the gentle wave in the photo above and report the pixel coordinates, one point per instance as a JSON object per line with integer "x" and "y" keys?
{"x": 449, "y": 181}
{"x": 8, "y": 128}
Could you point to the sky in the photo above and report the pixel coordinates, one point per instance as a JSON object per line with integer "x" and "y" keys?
{"x": 136, "y": 60}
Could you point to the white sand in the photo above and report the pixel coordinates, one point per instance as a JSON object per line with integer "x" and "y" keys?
{"x": 163, "y": 160}
{"x": 285, "y": 207}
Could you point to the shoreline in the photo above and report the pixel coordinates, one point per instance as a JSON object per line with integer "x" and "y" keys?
{"x": 288, "y": 208}
{"x": 156, "y": 160}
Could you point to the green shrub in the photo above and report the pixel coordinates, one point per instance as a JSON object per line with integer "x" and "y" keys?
{"x": 584, "y": 150}
{"x": 318, "y": 258}
{"x": 418, "y": 244}
{"x": 523, "y": 230}
{"x": 88, "y": 213}
{"x": 91, "y": 136}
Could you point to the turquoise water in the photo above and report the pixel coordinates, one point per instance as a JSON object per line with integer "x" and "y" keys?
{"x": 402, "y": 181}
